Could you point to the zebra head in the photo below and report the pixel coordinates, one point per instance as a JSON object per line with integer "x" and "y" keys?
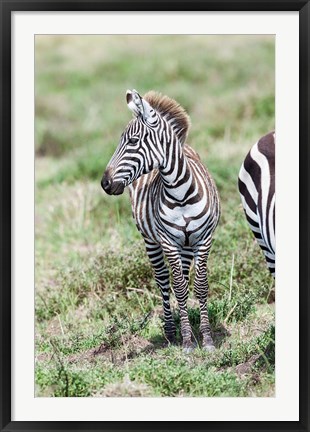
{"x": 138, "y": 151}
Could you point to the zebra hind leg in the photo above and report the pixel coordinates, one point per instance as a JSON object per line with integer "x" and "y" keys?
{"x": 187, "y": 258}
{"x": 180, "y": 288}
{"x": 161, "y": 274}
{"x": 201, "y": 287}
{"x": 267, "y": 251}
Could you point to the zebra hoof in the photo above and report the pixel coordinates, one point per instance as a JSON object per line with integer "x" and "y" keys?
{"x": 189, "y": 347}
{"x": 171, "y": 339}
{"x": 208, "y": 348}
{"x": 207, "y": 343}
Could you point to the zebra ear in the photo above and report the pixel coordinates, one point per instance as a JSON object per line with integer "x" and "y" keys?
{"x": 139, "y": 106}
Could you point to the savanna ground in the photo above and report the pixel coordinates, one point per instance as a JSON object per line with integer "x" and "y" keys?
{"x": 99, "y": 328}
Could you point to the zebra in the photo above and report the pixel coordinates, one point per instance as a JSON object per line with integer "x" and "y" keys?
{"x": 256, "y": 184}
{"x": 174, "y": 202}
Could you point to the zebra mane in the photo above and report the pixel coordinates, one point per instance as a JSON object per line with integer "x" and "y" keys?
{"x": 171, "y": 111}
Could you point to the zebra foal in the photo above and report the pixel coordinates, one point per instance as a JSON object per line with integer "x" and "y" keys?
{"x": 257, "y": 190}
{"x": 174, "y": 202}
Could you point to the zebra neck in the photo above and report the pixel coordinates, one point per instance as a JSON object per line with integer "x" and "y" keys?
{"x": 176, "y": 174}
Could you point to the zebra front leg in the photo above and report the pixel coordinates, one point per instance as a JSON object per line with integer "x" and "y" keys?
{"x": 155, "y": 254}
{"x": 180, "y": 287}
{"x": 201, "y": 287}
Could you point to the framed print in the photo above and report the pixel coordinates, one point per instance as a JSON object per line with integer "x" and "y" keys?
{"x": 116, "y": 311}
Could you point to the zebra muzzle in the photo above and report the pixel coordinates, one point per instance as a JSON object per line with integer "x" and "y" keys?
{"x": 110, "y": 187}
{"x": 117, "y": 188}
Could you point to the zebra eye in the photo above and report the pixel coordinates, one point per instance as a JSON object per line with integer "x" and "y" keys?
{"x": 133, "y": 140}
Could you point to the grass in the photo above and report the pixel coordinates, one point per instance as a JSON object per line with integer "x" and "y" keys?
{"x": 99, "y": 325}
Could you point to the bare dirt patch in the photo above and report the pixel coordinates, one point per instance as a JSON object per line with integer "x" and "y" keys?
{"x": 245, "y": 368}
{"x": 132, "y": 346}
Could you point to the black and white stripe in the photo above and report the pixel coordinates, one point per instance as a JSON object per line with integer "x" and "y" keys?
{"x": 257, "y": 190}
{"x": 174, "y": 202}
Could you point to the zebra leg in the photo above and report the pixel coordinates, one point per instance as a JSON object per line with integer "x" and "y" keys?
{"x": 180, "y": 288}
{"x": 187, "y": 257}
{"x": 155, "y": 254}
{"x": 201, "y": 287}
{"x": 269, "y": 254}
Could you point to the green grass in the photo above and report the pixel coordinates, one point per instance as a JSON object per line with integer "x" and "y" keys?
{"x": 99, "y": 325}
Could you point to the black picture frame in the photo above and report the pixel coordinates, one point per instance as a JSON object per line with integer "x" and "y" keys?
{"x": 6, "y": 9}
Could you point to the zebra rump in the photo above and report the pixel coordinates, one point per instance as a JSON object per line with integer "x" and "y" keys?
{"x": 257, "y": 190}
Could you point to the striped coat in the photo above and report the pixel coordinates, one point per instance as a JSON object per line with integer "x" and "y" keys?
{"x": 257, "y": 191}
{"x": 174, "y": 202}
